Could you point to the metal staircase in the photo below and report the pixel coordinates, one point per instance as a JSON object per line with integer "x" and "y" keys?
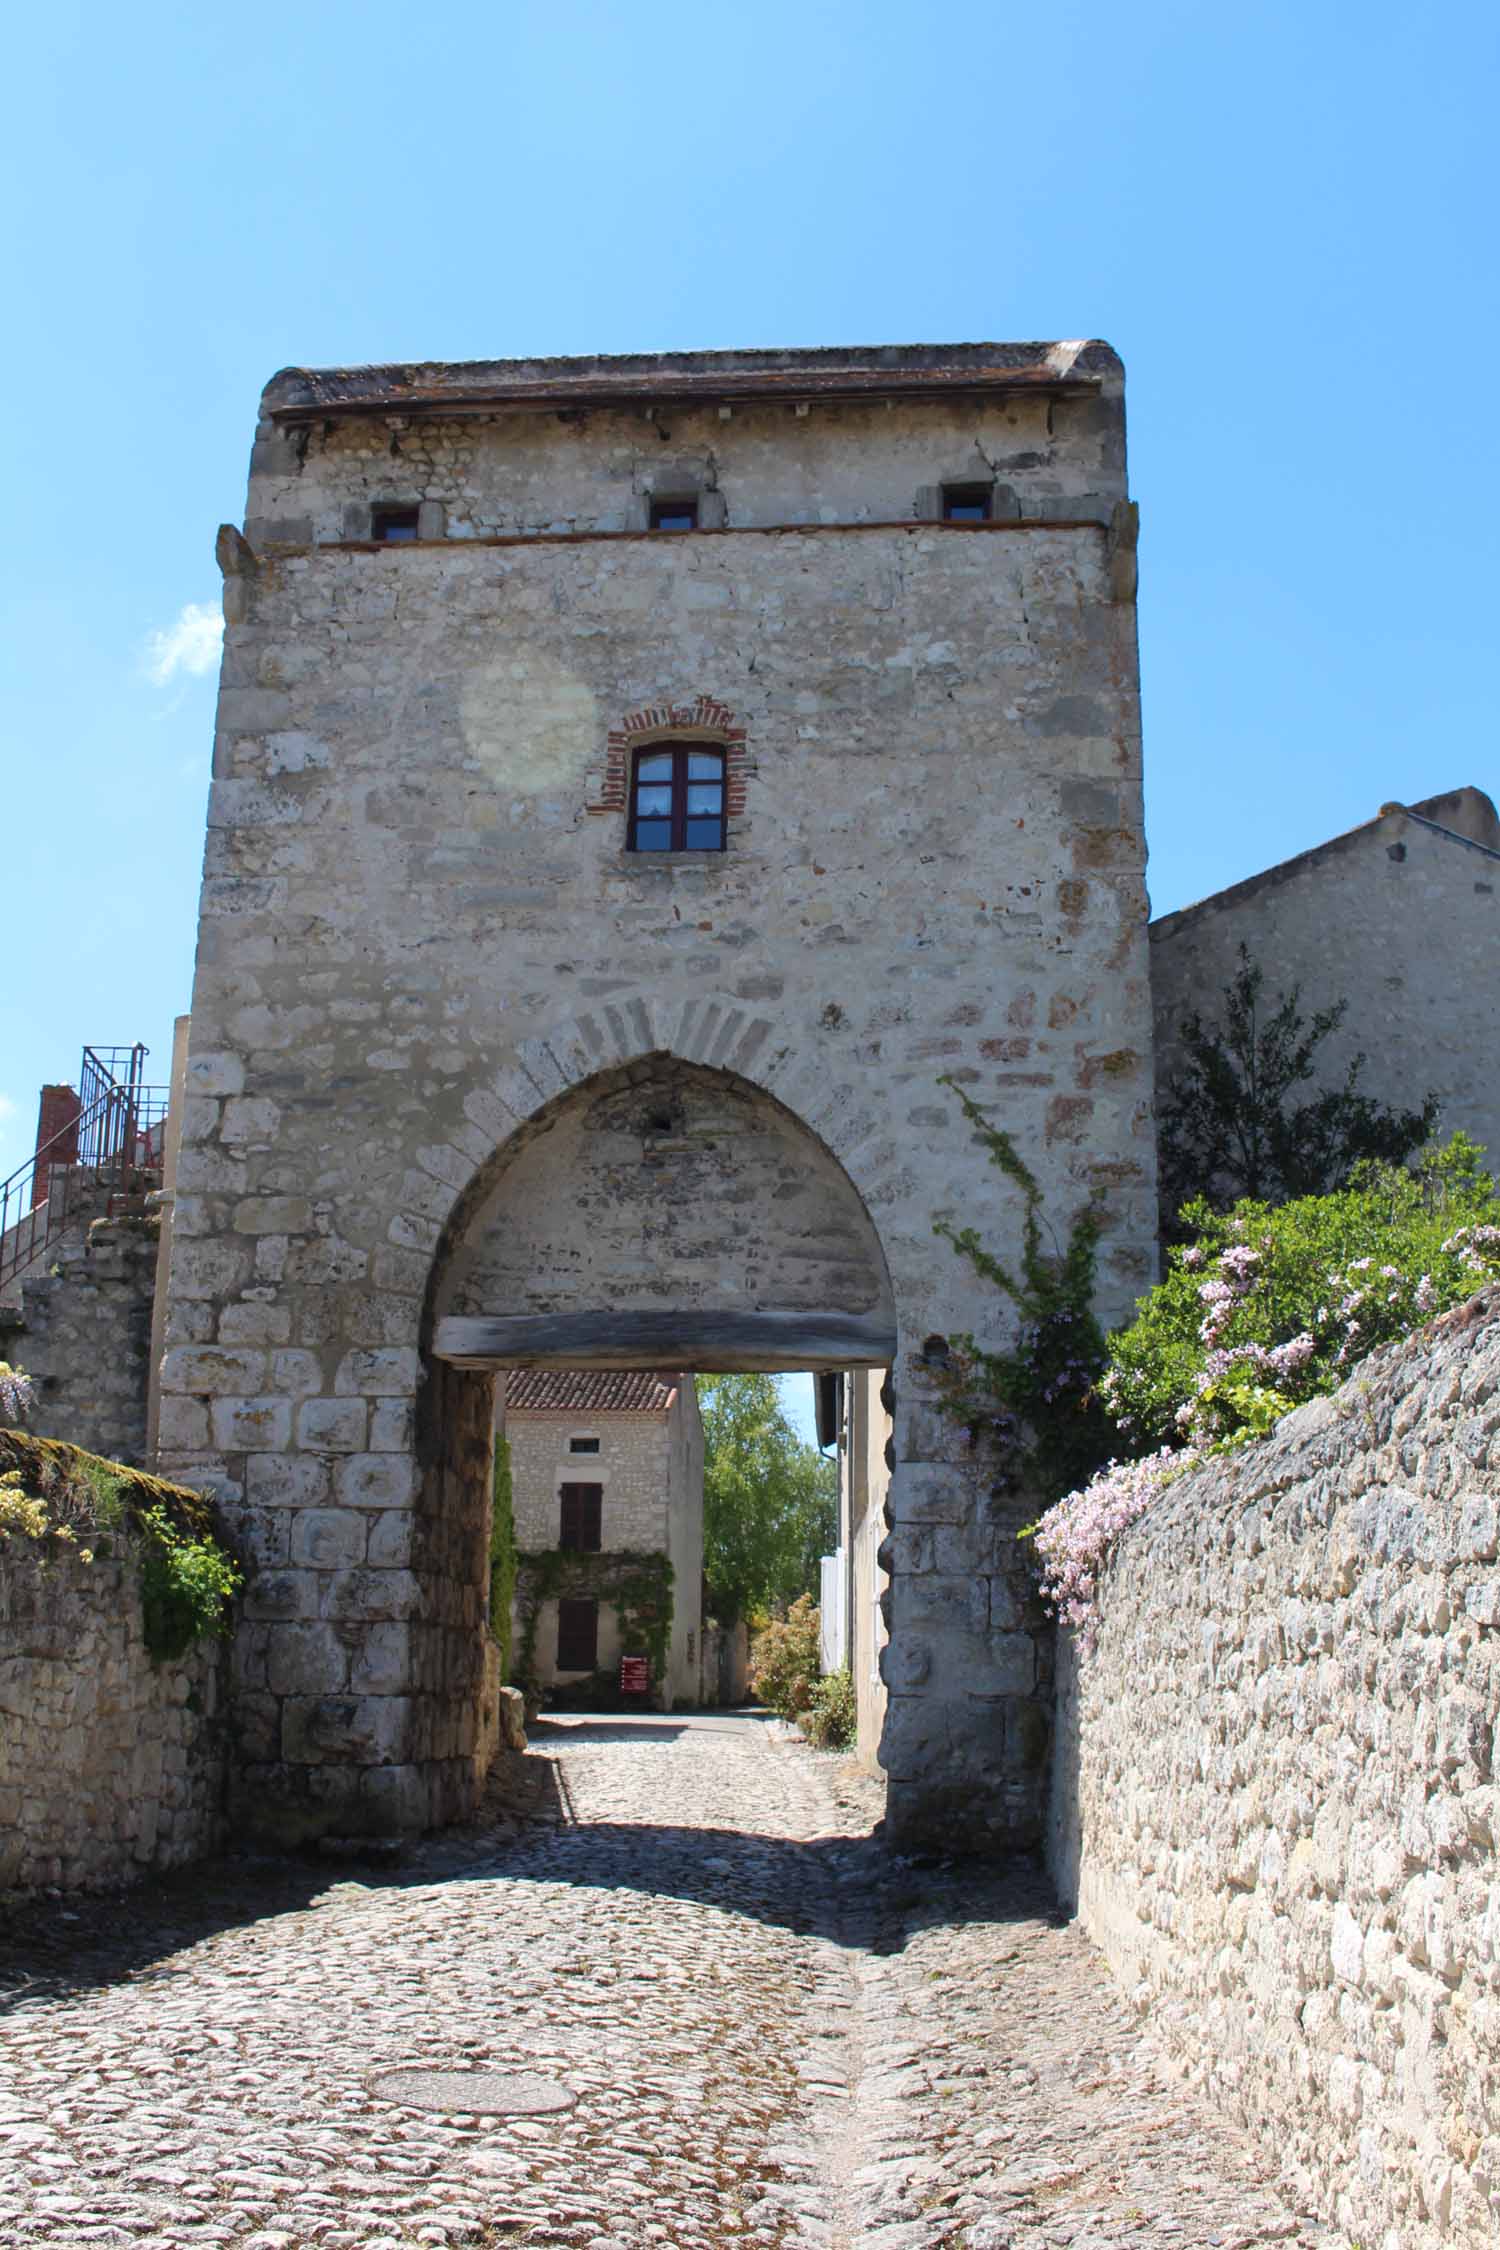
{"x": 108, "y": 1154}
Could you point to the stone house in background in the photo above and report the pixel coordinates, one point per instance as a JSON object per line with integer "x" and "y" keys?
{"x": 609, "y": 1462}
{"x": 1400, "y": 918}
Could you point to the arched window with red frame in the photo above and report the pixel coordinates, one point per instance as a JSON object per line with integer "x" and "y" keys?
{"x": 677, "y": 798}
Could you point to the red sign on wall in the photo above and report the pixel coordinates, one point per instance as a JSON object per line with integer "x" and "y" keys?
{"x": 635, "y": 1675}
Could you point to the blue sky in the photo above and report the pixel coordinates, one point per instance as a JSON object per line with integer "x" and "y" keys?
{"x": 1282, "y": 216}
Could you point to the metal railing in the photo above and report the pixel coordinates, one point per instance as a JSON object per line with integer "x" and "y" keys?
{"x": 112, "y": 1148}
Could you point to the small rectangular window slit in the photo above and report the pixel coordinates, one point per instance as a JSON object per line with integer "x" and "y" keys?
{"x": 674, "y": 515}
{"x": 392, "y": 525}
{"x": 967, "y": 503}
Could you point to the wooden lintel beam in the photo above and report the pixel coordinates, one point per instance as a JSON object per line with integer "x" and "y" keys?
{"x": 713, "y": 1342}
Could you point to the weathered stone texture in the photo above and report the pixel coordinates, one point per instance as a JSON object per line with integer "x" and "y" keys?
{"x": 84, "y": 1338}
{"x": 110, "y": 1765}
{"x": 427, "y": 965}
{"x": 1274, "y": 1794}
{"x": 1401, "y": 920}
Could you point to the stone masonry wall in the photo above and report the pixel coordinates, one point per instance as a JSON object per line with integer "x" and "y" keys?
{"x": 110, "y": 1766}
{"x": 1274, "y": 1799}
{"x": 422, "y": 939}
{"x": 84, "y": 1338}
{"x": 631, "y": 1465}
{"x": 1399, "y": 919}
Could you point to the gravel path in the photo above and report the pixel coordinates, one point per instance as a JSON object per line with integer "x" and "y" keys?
{"x": 765, "y": 2030}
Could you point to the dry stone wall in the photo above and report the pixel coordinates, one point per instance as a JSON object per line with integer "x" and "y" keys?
{"x": 1274, "y": 1793}
{"x": 111, "y": 1766}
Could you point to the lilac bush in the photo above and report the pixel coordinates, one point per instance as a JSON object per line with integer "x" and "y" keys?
{"x": 1265, "y": 1308}
{"x": 15, "y": 1396}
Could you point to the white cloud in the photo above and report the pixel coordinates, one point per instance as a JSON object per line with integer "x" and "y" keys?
{"x": 189, "y": 644}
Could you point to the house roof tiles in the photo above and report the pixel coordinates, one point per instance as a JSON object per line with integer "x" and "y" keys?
{"x": 546, "y": 1390}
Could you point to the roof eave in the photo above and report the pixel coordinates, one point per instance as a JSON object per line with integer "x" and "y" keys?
{"x": 789, "y": 387}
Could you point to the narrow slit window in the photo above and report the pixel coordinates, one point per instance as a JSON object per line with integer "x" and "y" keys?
{"x": 967, "y": 503}
{"x": 677, "y": 800}
{"x": 674, "y": 515}
{"x": 583, "y": 1445}
{"x": 392, "y": 525}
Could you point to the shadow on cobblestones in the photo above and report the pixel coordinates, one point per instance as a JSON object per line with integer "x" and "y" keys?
{"x": 851, "y": 1891}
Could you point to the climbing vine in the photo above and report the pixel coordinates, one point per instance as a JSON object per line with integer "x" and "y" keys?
{"x": 502, "y": 1554}
{"x": 1034, "y": 1407}
{"x": 64, "y": 1499}
{"x": 638, "y": 1587}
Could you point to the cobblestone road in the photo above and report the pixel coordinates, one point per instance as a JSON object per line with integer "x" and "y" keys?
{"x": 770, "y": 2031}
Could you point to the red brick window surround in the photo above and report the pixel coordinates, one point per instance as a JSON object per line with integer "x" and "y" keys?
{"x": 704, "y": 720}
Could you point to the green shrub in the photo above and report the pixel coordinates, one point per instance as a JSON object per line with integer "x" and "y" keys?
{"x": 830, "y": 1720}
{"x": 1265, "y": 1307}
{"x": 66, "y": 1499}
{"x": 186, "y": 1585}
{"x": 784, "y": 1660}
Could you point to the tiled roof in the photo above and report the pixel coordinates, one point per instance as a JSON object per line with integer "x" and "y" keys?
{"x": 545, "y": 1390}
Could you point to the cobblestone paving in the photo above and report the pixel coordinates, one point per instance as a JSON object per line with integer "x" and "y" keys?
{"x": 774, "y": 2033}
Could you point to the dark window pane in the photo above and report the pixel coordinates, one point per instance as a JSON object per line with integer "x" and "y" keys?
{"x": 391, "y": 525}
{"x": 705, "y": 797}
{"x": 653, "y": 835}
{"x": 704, "y": 765}
{"x": 705, "y": 835}
{"x": 583, "y": 1445}
{"x": 674, "y": 515}
{"x": 966, "y": 503}
{"x": 654, "y": 797}
{"x": 657, "y": 767}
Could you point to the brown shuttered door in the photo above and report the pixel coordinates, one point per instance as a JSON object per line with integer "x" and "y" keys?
{"x": 577, "y": 1636}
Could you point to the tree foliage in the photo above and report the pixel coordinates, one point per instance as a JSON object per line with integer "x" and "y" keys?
{"x": 1231, "y": 1122}
{"x": 770, "y": 1500}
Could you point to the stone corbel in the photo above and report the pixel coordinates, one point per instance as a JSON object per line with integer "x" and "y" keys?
{"x": 236, "y": 558}
{"x": 1120, "y": 550}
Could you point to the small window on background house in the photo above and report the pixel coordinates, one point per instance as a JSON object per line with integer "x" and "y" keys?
{"x": 577, "y": 1636}
{"x": 677, "y": 799}
{"x": 583, "y": 1445}
{"x": 674, "y": 515}
{"x": 967, "y": 503}
{"x": 581, "y": 1508}
{"x": 392, "y": 525}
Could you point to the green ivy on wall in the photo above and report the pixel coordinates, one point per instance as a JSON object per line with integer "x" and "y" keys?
{"x": 638, "y": 1587}
{"x": 503, "y": 1556}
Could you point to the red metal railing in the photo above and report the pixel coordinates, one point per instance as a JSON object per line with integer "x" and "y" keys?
{"x": 112, "y": 1148}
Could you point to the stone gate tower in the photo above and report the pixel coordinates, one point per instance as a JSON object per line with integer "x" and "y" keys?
{"x": 637, "y": 783}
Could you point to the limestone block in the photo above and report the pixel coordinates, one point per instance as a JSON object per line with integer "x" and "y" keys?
{"x": 327, "y": 1538}
{"x": 333, "y": 1425}
{"x": 348, "y": 1730}
{"x": 374, "y": 1480}
{"x": 251, "y": 1424}
{"x": 377, "y": 1374}
{"x": 305, "y": 1659}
